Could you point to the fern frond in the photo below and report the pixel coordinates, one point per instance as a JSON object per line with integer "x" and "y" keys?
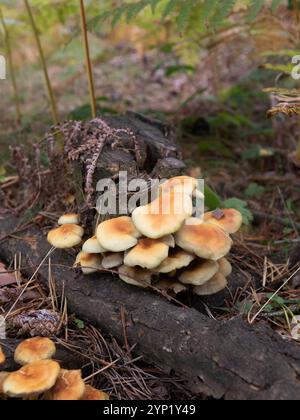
{"x": 224, "y": 8}
{"x": 254, "y": 9}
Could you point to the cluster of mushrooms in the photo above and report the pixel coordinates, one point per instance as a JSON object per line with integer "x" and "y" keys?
{"x": 41, "y": 377}
{"x": 161, "y": 244}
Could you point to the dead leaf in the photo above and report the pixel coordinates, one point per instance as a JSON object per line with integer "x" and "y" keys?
{"x": 6, "y": 278}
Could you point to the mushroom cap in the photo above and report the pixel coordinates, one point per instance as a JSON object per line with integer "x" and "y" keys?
{"x": 35, "y": 378}
{"x": 225, "y": 267}
{"x": 3, "y": 376}
{"x": 229, "y": 220}
{"x": 2, "y": 356}
{"x": 112, "y": 260}
{"x": 68, "y": 387}
{"x": 178, "y": 259}
{"x": 117, "y": 234}
{"x": 70, "y": 218}
{"x": 213, "y": 286}
{"x": 199, "y": 273}
{"x": 92, "y": 246}
{"x": 65, "y": 236}
{"x": 34, "y": 349}
{"x": 135, "y": 276}
{"x": 89, "y": 263}
{"x": 148, "y": 253}
{"x": 206, "y": 240}
{"x": 170, "y": 285}
{"x": 164, "y": 215}
{"x": 93, "y": 394}
{"x": 180, "y": 184}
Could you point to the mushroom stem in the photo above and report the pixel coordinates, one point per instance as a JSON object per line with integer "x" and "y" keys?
{"x": 52, "y": 249}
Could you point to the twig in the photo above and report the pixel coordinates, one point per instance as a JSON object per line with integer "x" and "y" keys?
{"x": 43, "y": 62}
{"x": 88, "y": 59}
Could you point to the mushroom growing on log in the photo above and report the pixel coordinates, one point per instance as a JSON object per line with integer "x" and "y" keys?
{"x": 230, "y": 360}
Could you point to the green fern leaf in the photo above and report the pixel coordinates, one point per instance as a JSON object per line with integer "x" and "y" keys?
{"x": 117, "y": 15}
{"x": 184, "y": 14}
{"x": 223, "y": 10}
{"x": 134, "y": 9}
{"x": 207, "y": 10}
{"x": 169, "y": 8}
{"x": 254, "y": 9}
{"x": 153, "y": 4}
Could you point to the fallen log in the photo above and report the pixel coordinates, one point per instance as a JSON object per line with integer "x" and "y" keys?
{"x": 229, "y": 360}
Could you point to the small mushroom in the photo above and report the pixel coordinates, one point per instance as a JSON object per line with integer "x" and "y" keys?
{"x": 92, "y": 246}
{"x": 213, "y": 286}
{"x": 176, "y": 260}
{"x": 2, "y": 356}
{"x": 164, "y": 215}
{"x": 112, "y": 260}
{"x": 65, "y": 236}
{"x": 117, "y": 234}
{"x": 148, "y": 253}
{"x": 68, "y": 387}
{"x": 170, "y": 285}
{"x": 33, "y": 350}
{"x": 135, "y": 276}
{"x": 182, "y": 184}
{"x": 93, "y": 394}
{"x": 225, "y": 267}
{"x": 230, "y": 220}
{"x": 33, "y": 379}
{"x": 199, "y": 273}
{"x": 206, "y": 240}
{"x": 89, "y": 263}
{"x": 70, "y": 218}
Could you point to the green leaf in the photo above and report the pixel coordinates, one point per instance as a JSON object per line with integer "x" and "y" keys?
{"x": 134, "y": 9}
{"x": 242, "y": 207}
{"x": 153, "y": 4}
{"x": 222, "y": 11}
{"x": 254, "y": 9}
{"x": 184, "y": 15}
{"x": 169, "y": 8}
{"x": 180, "y": 68}
{"x": 212, "y": 200}
{"x": 254, "y": 190}
{"x": 207, "y": 10}
{"x": 79, "y": 323}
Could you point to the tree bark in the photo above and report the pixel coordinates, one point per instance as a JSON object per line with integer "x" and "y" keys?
{"x": 229, "y": 360}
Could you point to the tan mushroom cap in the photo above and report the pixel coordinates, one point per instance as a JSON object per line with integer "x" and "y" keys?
{"x": 2, "y": 356}
{"x": 34, "y": 349}
{"x": 164, "y": 215}
{"x": 199, "y": 273}
{"x": 89, "y": 263}
{"x": 117, "y": 234}
{"x": 3, "y": 376}
{"x": 229, "y": 220}
{"x": 32, "y": 379}
{"x": 68, "y": 387}
{"x": 175, "y": 261}
{"x": 225, "y": 267}
{"x": 206, "y": 240}
{"x": 170, "y": 285}
{"x": 70, "y": 218}
{"x": 92, "y": 246}
{"x": 65, "y": 236}
{"x": 93, "y": 394}
{"x": 148, "y": 253}
{"x": 181, "y": 184}
{"x": 213, "y": 286}
{"x": 112, "y": 260}
{"x": 135, "y": 276}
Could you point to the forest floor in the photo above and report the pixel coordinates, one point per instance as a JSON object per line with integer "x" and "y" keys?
{"x": 225, "y": 138}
